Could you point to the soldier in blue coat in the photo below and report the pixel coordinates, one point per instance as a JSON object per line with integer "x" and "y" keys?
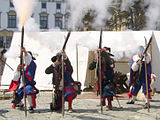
{"x": 69, "y": 83}
{"x": 137, "y": 81}
{"x": 17, "y": 83}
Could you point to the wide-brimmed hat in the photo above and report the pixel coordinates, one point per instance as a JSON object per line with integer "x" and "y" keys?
{"x": 57, "y": 56}
{"x": 108, "y": 50}
{"x": 31, "y": 55}
{"x": 3, "y": 51}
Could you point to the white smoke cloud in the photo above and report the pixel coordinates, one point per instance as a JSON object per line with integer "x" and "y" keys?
{"x": 45, "y": 39}
{"x": 13, "y": 52}
{"x": 78, "y": 7}
{"x": 89, "y": 40}
{"x": 152, "y": 14}
{"x": 126, "y": 4}
{"x": 24, "y": 9}
{"x": 51, "y": 41}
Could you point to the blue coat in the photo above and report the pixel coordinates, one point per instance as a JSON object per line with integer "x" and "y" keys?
{"x": 142, "y": 78}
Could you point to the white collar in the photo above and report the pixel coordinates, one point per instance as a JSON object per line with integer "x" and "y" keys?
{"x": 136, "y": 58}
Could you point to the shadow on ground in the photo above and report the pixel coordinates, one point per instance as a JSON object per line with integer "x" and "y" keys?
{"x": 2, "y": 112}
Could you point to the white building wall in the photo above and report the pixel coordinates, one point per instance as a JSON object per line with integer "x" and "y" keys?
{"x": 51, "y": 17}
{"x": 3, "y": 9}
{"x": 50, "y": 10}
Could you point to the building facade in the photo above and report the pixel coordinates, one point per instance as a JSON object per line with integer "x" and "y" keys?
{"x": 48, "y": 14}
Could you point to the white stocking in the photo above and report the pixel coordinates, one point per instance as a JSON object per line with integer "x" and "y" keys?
{"x": 146, "y": 99}
{"x": 29, "y": 98}
{"x": 134, "y": 98}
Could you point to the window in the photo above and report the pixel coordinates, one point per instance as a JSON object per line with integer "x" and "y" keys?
{"x": 11, "y": 20}
{"x": 8, "y": 41}
{"x": 43, "y": 5}
{"x": 58, "y": 6}
{"x": 58, "y": 22}
{"x": 1, "y": 41}
{"x": 11, "y": 4}
{"x": 43, "y": 21}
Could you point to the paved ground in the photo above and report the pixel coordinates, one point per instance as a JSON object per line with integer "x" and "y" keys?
{"x": 84, "y": 109}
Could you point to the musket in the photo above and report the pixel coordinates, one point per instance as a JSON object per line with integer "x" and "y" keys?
{"x": 68, "y": 35}
{"x": 63, "y": 49}
{"x": 7, "y": 64}
{"x": 145, "y": 51}
{"x": 137, "y": 74}
{"x": 22, "y": 69}
{"x": 99, "y": 69}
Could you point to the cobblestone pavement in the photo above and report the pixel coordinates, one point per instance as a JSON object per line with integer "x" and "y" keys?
{"x": 84, "y": 109}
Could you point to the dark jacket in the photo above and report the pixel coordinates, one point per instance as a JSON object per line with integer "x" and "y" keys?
{"x": 56, "y": 71}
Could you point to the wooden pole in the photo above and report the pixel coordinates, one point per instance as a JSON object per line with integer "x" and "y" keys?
{"x": 100, "y": 80}
{"x": 100, "y": 69}
{"x": 22, "y": 70}
{"x": 151, "y": 55}
{"x": 77, "y": 60}
{"x": 62, "y": 86}
{"x": 146, "y": 76}
{"x": 146, "y": 84}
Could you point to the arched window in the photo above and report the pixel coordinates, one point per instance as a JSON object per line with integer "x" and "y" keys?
{"x": 58, "y": 20}
{"x": 43, "y": 21}
{"x": 12, "y": 19}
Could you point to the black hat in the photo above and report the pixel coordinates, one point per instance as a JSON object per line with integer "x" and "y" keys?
{"x": 3, "y": 51}
{"x": 54, "y": 58}
{"x": 108, "y": 49}
{"x": 31, "y": 55}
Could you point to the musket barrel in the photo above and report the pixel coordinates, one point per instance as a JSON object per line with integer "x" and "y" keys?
{"x": 68, "y": 35}
{"x": 7, "y": 64}
{"x": 150, "y": 40}
{"x": 100, "y": 42}
{"x": 64, "y": 46}
{"x": 22, "y": 70}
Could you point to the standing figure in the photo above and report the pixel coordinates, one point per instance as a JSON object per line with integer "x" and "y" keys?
{"x": 17, "y": 83}
{"x": 138, "y": 80}
{"x": 107, "y": 75}
{"x": 69, "y": 83}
